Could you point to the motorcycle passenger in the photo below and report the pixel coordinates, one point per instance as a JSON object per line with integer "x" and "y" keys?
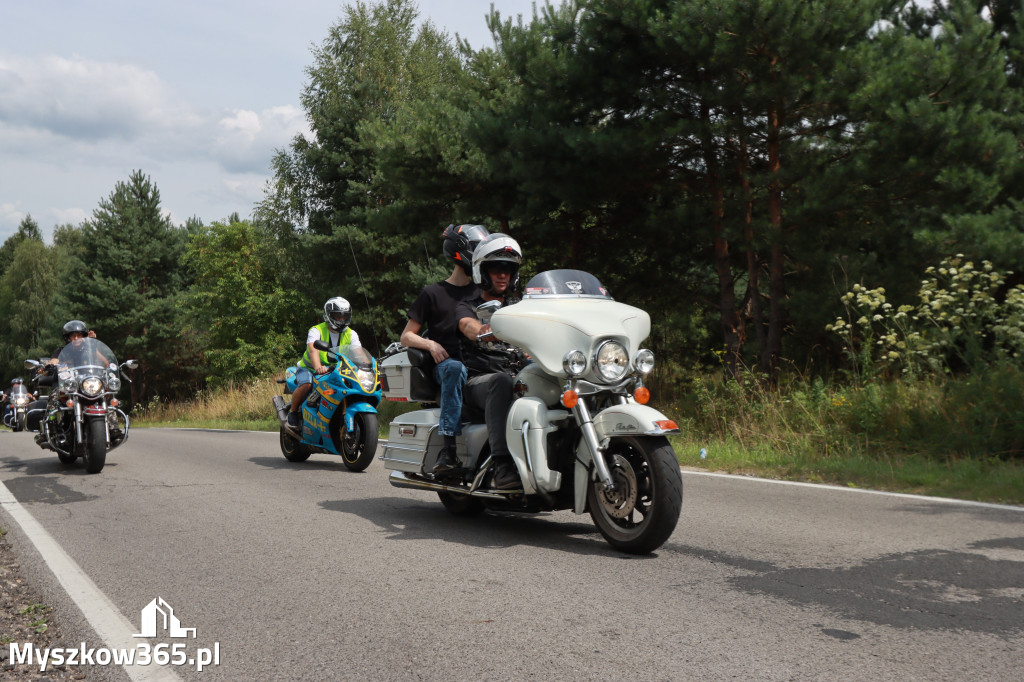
{"x": 335, "y": 331}
{"x": 434, "y": 311}
{"x": 488, "y": 360}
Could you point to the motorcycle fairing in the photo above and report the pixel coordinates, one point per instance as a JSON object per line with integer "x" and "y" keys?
{"x": 567, "y": 324}
{"x": 526, "y": 431}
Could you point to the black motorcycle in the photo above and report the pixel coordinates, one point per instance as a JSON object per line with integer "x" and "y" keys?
{"x": 81, "y": 416}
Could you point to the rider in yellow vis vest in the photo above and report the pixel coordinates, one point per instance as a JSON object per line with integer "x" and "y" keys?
{"x": 335, "y": 331}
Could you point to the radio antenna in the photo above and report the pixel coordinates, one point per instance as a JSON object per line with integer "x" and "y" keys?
{"x": 362, "y": 284}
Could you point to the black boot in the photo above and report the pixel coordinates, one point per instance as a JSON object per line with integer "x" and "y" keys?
{"x": 505, "y": 476}
{"x": 446, "y": 461}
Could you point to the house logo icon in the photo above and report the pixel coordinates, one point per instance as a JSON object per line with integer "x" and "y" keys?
{"x": 158, "y": 615}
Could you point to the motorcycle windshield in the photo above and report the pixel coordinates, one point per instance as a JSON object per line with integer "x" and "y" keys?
{"x": 565, "y": 284}
{"x": 357, "y": 355}
{"x": 85, "y": 355}
{"x": 17, "y": 390}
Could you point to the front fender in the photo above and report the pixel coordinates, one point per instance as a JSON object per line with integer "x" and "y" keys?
{"x": 352, "y": 409}
{"x": 632, "y": 419}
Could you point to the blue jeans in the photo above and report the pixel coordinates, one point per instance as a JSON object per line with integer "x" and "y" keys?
{"x": 303, "y": 376}
{"x": 451, "y": 374}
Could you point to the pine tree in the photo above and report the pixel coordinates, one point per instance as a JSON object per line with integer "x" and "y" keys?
{"x": 128, "y": 285}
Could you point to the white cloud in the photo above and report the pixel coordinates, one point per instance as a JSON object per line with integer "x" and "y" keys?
{"x": 246, "y": 140}
{"x": 83, "y": 99}
{"x": 11, "y": 214}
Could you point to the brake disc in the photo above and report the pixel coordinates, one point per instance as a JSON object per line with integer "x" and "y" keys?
{"x": 620, "y": 502}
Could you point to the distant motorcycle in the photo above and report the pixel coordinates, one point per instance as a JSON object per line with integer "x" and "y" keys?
{"x": 16, "y": 403}
{"x": 340, "y": 414}
{"x": 81, "y": 417}
{"x": 579, "y": 431}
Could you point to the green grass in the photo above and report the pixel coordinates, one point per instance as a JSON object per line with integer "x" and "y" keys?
{"x": 960, "y": 478}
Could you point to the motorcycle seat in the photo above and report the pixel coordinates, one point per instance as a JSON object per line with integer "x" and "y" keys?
{"x": 420, "y": 358}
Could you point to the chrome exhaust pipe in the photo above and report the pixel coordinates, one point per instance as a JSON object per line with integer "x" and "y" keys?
{"x": 281, "y": 408}
{"x": 400, "y": 480}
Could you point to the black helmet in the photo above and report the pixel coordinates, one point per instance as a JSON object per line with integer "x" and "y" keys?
{"x": 17, "y": 380}
{"x": 74, "y": 326}
{"x": 461, "y": 240}
{"x": 498, "y": 249}
{"x": 337, "y": 313}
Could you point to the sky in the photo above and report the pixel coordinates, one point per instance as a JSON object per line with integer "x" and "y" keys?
{"x": 197, "y": 94}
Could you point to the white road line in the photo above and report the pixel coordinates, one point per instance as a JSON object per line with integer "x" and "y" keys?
{"x": 108, "y": 622}
{"x": 839, "y": 488}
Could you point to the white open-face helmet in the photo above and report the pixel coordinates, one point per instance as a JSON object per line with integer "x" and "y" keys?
{"x": 337, "y": 313}
{"x": 500, "y": 251}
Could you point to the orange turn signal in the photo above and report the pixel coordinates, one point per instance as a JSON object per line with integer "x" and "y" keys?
{"x": 114, "y": 402}
{"x": 570, "y": 398}
{"x": 70, "y": 403}
{"x": 667, "y": 425}
{"x": 642, "y": 395}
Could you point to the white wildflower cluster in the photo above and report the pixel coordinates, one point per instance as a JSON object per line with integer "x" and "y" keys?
{"x": 960, "y": 314}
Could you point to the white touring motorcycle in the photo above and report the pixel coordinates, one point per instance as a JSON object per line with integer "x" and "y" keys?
{"x": 579, "y": 432}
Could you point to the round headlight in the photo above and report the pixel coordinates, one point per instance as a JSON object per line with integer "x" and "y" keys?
{"x": 92, "y": 386}
{"x": 67, "y": 385}
{"x": 611, "y": 360}
{"x": 644, "y": 361}
{"x": 574, "y": 363}
{"x": 366, "y": 380}
{"x": 114, "y": 383}
{"x": 21, "y": 400}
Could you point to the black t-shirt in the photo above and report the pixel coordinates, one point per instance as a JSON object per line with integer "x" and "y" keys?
{"x": 482, "y": 357}
{"x": 434, "y": 309}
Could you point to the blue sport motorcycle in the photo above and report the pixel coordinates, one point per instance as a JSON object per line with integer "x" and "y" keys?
{"x": 340, "y": 414}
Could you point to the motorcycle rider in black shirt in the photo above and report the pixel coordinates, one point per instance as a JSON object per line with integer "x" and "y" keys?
{"x": 489, "y": 361}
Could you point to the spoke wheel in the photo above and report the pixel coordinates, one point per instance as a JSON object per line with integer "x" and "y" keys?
{"x": 641, "y": 512}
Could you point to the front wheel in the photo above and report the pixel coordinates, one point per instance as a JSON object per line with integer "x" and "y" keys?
{"x": 293, "y": 449}
{"x": 359, "y": 445}
{"x": 96, "y": 452}
{"x": 639, "y": 515}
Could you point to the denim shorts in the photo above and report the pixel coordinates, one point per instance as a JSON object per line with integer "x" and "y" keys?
{"x": 303, "y": 376}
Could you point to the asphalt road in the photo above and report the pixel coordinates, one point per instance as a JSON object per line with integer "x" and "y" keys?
{"x": 307, "y": 571}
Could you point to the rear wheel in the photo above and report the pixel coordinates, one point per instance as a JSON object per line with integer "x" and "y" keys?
{"x": 293, "y": 449}
{"x": 461, "y": 505}
{"x": 360, "y": 445}
{"x": 639, "y": 515}
{"x": 96, "y": 450}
